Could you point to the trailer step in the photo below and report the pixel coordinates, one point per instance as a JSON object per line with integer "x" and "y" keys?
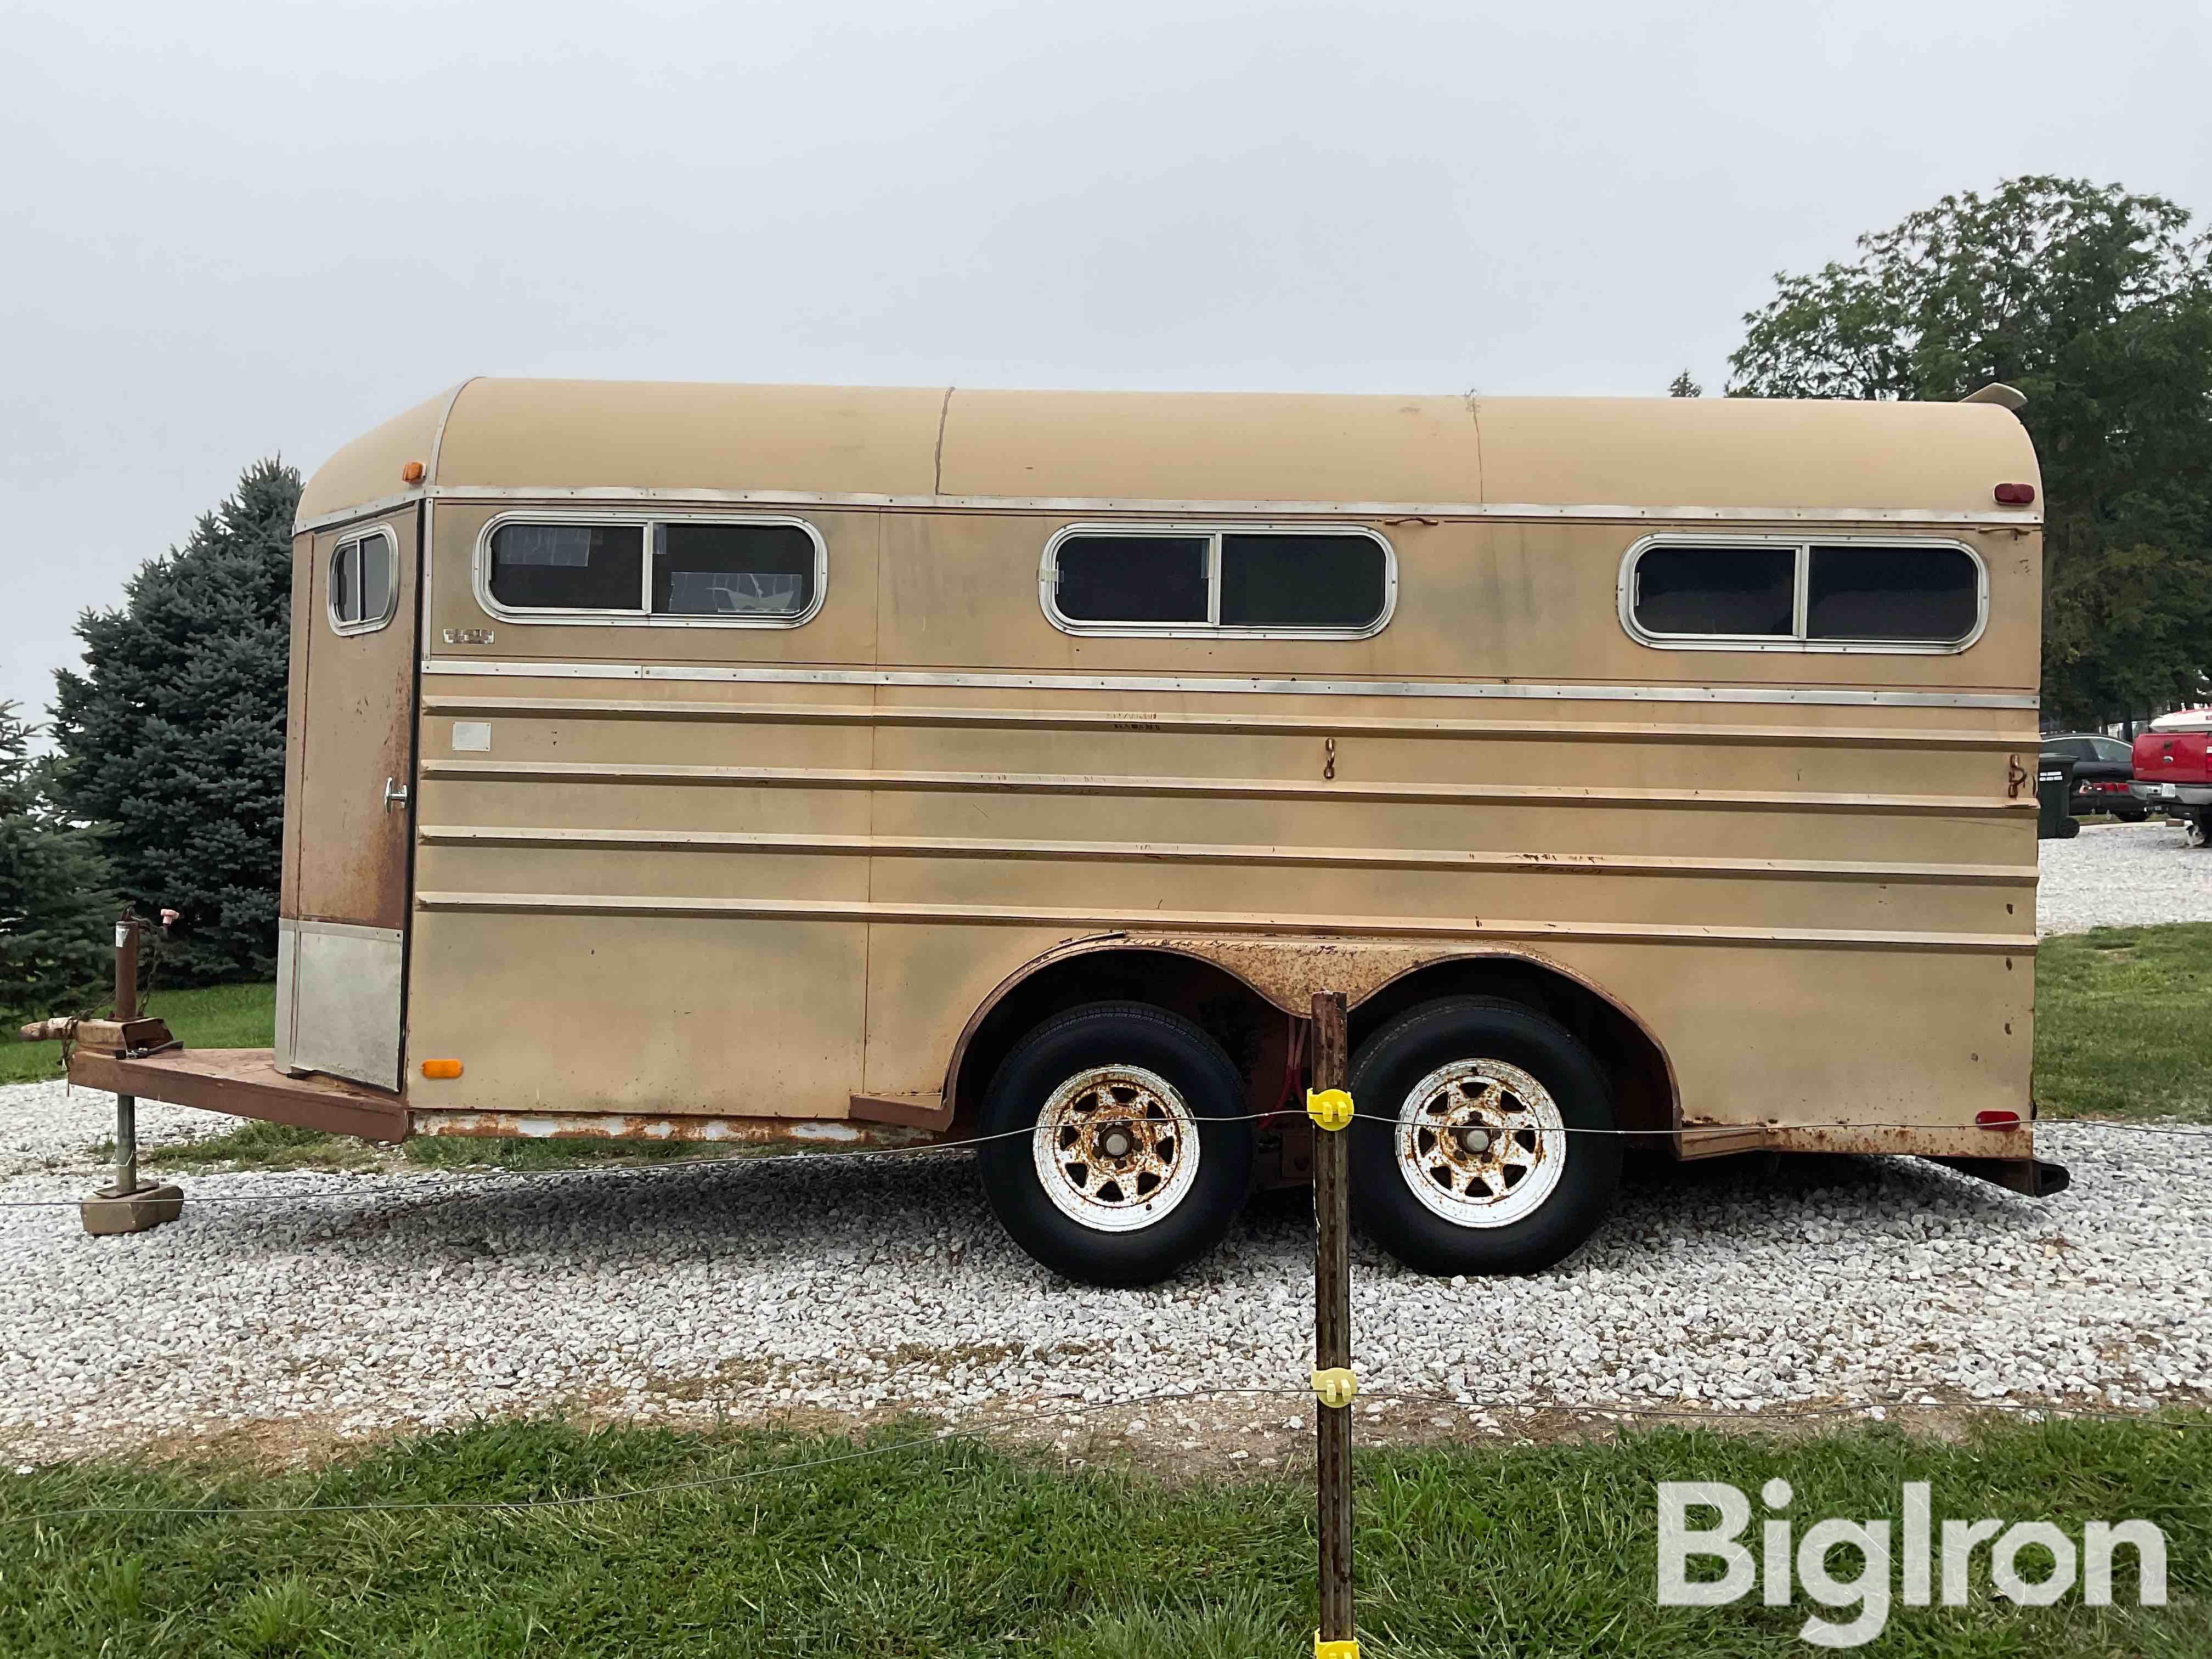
{"x": 245, "y": 1083}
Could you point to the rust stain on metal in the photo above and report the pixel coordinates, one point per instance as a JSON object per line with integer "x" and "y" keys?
{"x": 931, "y": 1111}
{"x": 626, "y": 1125}
{"x": 245, "y": 1083}
{"x": 1706, "y": 1137}
{"x": 1288, "y": 971}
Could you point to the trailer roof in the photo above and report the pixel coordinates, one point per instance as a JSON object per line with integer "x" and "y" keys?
{"x": 555, "y": 437}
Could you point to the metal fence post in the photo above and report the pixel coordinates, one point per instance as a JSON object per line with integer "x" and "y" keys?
{"x": 1332, "y": 1379}
{"x": 126, "y": 1009}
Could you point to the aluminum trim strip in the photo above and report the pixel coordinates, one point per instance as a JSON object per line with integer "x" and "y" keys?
{"x": 2021, "y": 520}
{"x": 1052, "y": 783}
{"x": 344, "y": 930}
{"x": 960, "y": 847}
{"x": 805, "y": 713}
{"x": 763, "y": 674}
{"x": 1045, "y": 783}
{"x": 377, "y": 508}
{"x": 1153, "y": 923}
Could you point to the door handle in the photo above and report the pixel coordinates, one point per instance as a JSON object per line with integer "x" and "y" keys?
{"x": 395, "y": 793}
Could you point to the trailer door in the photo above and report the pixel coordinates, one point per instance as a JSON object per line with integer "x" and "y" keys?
{"x": 349, "y": 800}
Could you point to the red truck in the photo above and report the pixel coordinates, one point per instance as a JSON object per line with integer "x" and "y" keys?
{"x": 2173, "y": 770}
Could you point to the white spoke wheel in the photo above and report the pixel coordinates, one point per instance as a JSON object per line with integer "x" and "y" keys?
{"x": 1117, "y": 1148}
{"x": 1481, "y": 1142}
{"x": 1114, "y": 1143}
{"x": 1485, "y": 1143}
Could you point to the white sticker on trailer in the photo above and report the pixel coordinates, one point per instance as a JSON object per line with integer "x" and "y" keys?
{"x": 471, "y": 737}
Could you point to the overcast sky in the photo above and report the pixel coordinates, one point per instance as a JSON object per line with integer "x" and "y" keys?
{"x": 235, "y": 230}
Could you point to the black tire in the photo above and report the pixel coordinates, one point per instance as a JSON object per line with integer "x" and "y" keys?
{"x": 1108, "y": 1034}
{"x": 1424, "y": 1040}
{"x": 2132, "y": 814}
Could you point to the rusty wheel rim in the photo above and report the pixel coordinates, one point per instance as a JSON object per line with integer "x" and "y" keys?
{"x": 1117, "y": 1148}
{"x": 1481, "y": 1142}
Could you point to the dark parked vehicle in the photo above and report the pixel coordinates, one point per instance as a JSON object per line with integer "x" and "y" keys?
{"x": 2102, "y": 769}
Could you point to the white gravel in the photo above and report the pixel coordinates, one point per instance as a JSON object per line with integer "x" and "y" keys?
{"x": 748, "y": 1290}
{"x": 2123, "y": 875}
{"x": 863, "y": 1287}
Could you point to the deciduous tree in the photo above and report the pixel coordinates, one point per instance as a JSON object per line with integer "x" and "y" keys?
{"x": 2095, "y": 302}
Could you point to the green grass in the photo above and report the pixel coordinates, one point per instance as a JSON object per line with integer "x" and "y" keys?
{"x": 2121, "y": 1024}
{"x": 213, "y": 1016}
{"x": 954, "y": 1549}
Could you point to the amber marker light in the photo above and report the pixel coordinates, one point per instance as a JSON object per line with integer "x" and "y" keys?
{"x": 412, "y": 472}
{"x": 441, "y": 1068}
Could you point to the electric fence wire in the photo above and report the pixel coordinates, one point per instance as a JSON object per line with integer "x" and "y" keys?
{"x": 436, "y": 1187}
{"x": 1058, "y": 1410}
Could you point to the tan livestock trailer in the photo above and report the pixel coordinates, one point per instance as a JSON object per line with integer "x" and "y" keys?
{"x": 756, "y": 762}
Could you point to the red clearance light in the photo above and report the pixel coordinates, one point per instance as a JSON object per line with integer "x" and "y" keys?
{"x": 2016, "y": 494}
{"x": 1997, "y": 1120}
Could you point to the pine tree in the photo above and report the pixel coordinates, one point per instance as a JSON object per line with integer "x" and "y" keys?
{"x": 172, "y": 741}
{"x": 56, "y": 914}
{"x": 1683, "y": 387}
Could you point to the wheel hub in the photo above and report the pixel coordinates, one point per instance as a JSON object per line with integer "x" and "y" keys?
{"x": 1117, "y": 1148}
{"x": 1480, "y": 1143}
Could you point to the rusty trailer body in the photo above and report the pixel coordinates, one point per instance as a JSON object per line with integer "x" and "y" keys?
{"x": 665, "y": 756}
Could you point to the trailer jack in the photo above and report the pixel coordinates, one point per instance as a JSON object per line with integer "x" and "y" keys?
{"x": 126, "y": 1205}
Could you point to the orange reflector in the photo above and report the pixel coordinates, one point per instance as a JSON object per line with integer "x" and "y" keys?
{"x": 413, "y": 473}
{"x": 441, "y": 1068}
{"x": 1986, "y": 1120}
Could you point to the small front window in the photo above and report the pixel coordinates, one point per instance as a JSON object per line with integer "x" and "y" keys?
{"x": 1758, "y": 595}
{"x": 1286, "y": 581}
{"x": 364, "y": 582}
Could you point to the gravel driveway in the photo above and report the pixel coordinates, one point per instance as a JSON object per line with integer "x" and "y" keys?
{"x": 862, "y": 1286}
{"x": 2123, "y": 875}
